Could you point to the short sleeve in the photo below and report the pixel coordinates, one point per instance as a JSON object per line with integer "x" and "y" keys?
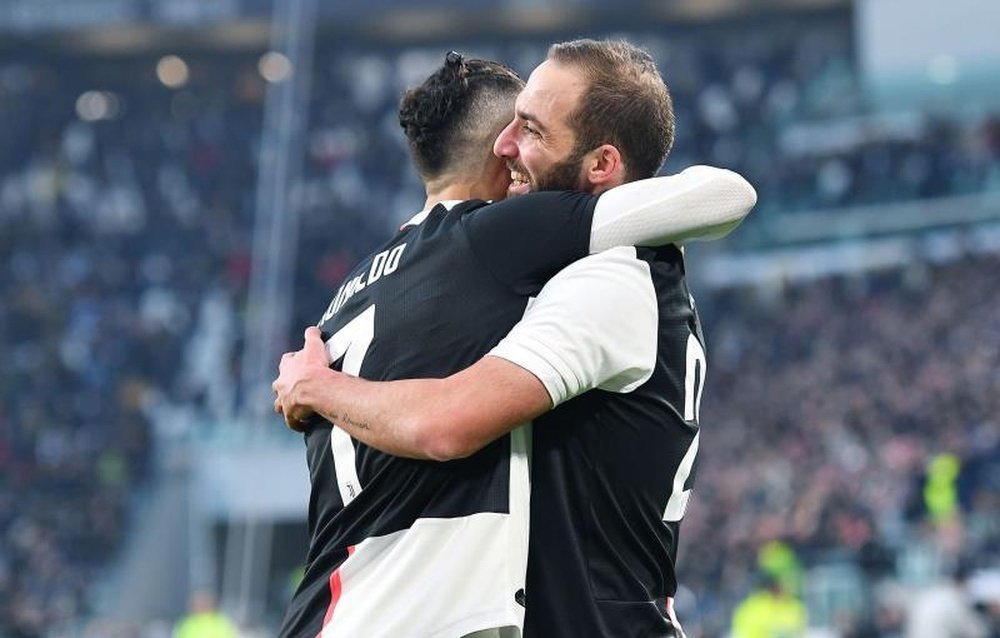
{"x": 593, "y": 325}
{"x": 523, "y": 241}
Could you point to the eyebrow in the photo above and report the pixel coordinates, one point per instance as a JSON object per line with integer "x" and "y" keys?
{"x": 524, "y": 115}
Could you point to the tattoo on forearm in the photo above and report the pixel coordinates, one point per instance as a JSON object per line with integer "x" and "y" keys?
{"x": 346, "y": 419}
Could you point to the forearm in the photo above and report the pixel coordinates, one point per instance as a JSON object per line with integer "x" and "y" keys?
{"x": 386, "y": 415}
{"x": 439, "y": 419}
{"x": 701, "y": 202}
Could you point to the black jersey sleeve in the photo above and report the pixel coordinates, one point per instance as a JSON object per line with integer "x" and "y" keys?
{"x": 526, "y": 240}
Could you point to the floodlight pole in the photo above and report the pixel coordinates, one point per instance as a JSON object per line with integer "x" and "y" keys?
{"x": 247, "y": 555}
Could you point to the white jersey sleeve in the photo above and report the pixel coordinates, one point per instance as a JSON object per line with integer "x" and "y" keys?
{"x": 593, "y": 325}
{"x": 701, "y": 202}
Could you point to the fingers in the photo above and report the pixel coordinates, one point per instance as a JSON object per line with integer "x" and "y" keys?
{"x": 296, "y": 424}
{"x": 314, "y": 348}
{"x": 313, "y": 333}
{"x": 293, "y": 422}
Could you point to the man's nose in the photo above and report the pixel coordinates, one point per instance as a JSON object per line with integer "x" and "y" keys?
{"x": 505, "y": 145}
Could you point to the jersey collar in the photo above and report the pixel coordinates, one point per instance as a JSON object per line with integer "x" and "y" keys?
{"x": 422, "y": 215}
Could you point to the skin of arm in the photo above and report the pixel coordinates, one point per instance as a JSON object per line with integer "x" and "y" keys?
{"x": 437, "y": 419}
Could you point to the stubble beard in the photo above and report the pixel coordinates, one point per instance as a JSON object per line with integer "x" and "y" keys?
{"x": 561, "y": 176}
{"x": 564, "y": 175}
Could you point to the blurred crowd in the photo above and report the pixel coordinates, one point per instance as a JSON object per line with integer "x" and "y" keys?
{"x": 113, "y": 232}
{"x": 830, "y": 407}
{"x": 125, "y": 234}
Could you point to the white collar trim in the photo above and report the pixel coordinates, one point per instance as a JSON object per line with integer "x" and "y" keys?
{"x": 422, "y": 215}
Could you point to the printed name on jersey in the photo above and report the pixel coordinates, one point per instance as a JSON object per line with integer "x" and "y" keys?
{"x": 384, "y": 263}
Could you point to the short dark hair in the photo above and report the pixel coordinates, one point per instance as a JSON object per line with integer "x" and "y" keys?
{"x": 450, "y": 117}
{"x": 626, "y": 103}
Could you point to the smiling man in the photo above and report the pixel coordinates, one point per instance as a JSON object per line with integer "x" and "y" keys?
{"x": 612, "y": 467}
{"x": 587, "y": 102}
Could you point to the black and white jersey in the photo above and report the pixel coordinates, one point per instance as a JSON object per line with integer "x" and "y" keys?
{"x": 612, "y": 469}
{"x": 401, "y": 547}
{"x": 412, "y": 548}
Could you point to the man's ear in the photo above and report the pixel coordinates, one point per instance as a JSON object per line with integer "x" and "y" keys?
{"x": 603, "y": 167}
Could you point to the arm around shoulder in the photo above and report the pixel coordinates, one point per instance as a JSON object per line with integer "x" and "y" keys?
{"x": 435, "y": 419}
{"x": 700, "y": 202}
{"x": 476, "y": 406}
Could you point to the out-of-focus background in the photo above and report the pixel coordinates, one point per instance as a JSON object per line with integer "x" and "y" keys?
{"x": 183, "y": 184}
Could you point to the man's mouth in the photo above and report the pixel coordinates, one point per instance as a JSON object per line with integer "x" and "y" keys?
{"x": 520, "y": 183}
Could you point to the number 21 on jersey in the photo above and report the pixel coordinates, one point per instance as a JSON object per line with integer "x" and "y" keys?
{"x": 694, "y": 383}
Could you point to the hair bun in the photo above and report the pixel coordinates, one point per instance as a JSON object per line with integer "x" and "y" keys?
{"x": 455, "y": 68}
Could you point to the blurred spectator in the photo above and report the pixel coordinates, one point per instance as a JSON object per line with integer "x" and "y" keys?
{"x": 204, "y": 620}
{"x": 984, "y": 588}
{"x": 771, "y": 611}
{"x": 945, "y": 611}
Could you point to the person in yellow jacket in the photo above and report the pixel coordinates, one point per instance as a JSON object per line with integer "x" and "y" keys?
{"x": 770, "y": 612}
{"x": 204, "y": 620}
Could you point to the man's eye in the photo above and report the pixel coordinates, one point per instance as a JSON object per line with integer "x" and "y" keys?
{"x": 530, "y": 131}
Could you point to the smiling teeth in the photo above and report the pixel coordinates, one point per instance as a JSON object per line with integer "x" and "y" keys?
{"x": 518, "y": 177}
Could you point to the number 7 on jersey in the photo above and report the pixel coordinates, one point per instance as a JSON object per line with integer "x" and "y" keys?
{"x": 350, "y": 342}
